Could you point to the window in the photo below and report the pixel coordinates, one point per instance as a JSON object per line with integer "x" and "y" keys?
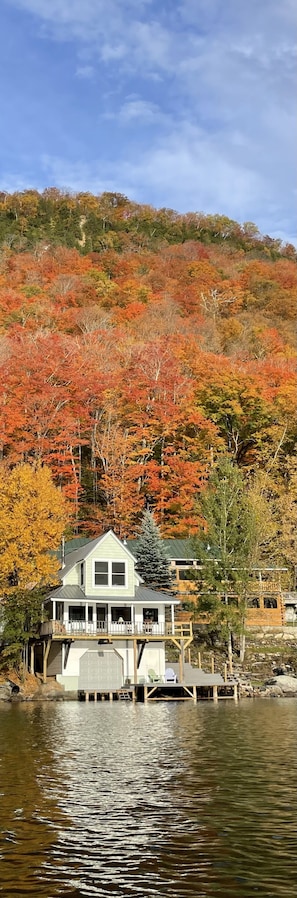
{"x": 150, "y": 615}
{"x": 101, "y": 573}
{"x": 82, "y": 578}
{"x": 253, "y": 602}
{"x": 180, "y": 563}
{"x": 269, "y": 602}
{"x": 120, "y": 615}
{"x": 60, "y": 611}
{"x": 77, "y": 613}
{"x": 185, "y": 574}
{"x": 110, "y": 573}
{"x": 118, "y": 573}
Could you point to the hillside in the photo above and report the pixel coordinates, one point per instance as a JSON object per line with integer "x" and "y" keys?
{"x": 136, "y": 345}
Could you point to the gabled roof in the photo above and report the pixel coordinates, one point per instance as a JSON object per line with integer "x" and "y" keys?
{"x": 84, "y": 550}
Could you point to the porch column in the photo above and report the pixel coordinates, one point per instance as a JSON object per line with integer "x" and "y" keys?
{"x": 181, "y": 661}
{"x": 133, "y": 625}
{"x": 54, "y": 609}
{"x": 108, "y": 618}
{"x": 86, "y": 616}
{"x": 135, "y": 660}
{"x": 172, "y": 620}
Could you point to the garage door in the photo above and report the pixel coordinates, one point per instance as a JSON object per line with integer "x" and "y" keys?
{"x": 100, "y": 670}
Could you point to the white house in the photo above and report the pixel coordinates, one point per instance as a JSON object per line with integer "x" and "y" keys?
{"x": 105, "y": 628}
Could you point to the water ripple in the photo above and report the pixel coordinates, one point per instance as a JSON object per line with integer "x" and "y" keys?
{"x": 140, "y": 801}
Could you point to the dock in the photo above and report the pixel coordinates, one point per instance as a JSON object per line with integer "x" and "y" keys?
{"x": 201, "y": 686}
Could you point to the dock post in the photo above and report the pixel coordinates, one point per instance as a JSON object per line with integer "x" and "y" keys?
{"x": 199, "y": 659}
{"x": 235, "y": 692}
{"x": 225, "y": 673}
{"x": 181, "y": 661}
{"x": 215, "y": 693}
{"x": 95, "y": 696}
{"x": 86, "y": 696}
{"x": 195, "y": 695}
{"x": 135, "y": 660}
{"x": 212, "y": 664}
{"x": 111, "y": 696}
{"x": 145, "y": 694}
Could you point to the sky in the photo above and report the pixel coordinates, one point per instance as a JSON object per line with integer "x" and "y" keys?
{"x": 183, "y": 104}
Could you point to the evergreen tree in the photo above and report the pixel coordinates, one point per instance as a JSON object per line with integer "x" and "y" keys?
{"x": 153, "y": 564}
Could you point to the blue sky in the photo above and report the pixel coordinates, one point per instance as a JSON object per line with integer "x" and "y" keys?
{"x": 188, "y": 104}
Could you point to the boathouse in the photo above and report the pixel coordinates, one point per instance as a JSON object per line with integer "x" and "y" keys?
{"x": 103, "y": 629}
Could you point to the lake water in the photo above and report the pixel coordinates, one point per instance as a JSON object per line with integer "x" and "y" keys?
{"x": 137, "y": 801}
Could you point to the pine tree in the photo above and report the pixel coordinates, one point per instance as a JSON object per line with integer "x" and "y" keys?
{"x": 153, "y": 564}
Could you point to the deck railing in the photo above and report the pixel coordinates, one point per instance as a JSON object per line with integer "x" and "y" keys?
{"x": 102, "y": 628}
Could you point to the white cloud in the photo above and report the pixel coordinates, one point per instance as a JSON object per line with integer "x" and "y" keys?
{"x": 223, "y": 97}
{"x": 134, "y": 109}
{"x": 85, "y": 71}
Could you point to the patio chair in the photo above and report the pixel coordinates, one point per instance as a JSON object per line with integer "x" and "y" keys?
{"x": 153, "y": 677}
{"x": 170, "y": 675}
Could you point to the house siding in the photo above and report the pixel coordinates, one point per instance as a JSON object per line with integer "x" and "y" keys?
{"x": 73, "y": 576}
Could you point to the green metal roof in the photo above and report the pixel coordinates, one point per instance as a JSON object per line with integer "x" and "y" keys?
{"x": 71, "y": 545}
{"x": 175, "y": 548}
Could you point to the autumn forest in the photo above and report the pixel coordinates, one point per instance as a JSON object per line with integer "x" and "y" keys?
{"x": 137, "y": 347}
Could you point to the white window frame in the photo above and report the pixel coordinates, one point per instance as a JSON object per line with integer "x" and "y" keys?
{"x": 110, "y": 562}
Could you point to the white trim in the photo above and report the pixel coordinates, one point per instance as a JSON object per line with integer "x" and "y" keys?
{"x": 101, "y": 540}
{"x": 109, "y": 584}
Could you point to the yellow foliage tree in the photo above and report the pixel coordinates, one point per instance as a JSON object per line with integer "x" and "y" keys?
{"x": 33, "y": 516}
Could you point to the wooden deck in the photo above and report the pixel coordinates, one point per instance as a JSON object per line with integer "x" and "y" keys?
{"x": 165, "y": 692}
{"x": 115, "y": 632}
{"x": 180, "y": 634}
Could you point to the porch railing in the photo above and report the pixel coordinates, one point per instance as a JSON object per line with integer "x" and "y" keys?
{"x": 102, "y": 628}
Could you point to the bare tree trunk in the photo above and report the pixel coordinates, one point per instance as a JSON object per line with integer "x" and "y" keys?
{"x": 230, "y": 651}
{"x": 242, "y": 647}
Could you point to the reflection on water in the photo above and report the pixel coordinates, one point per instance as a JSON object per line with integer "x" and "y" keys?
{"x": 169, "y": 800}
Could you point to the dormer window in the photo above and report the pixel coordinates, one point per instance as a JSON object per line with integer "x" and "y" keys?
{"x": 110, "y": 573}
{"x": 101, "y": 573}
{"x": 118, "y": 573}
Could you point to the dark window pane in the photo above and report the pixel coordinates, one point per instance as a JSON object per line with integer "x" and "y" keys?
{"x": 118, "y": 573}
{"x": 101, "y": 573}
{"x": 150, "y": 615}
{"x": 270, "y": 602}
{"x": 77, "y": 613}
{"x": 183, "y": 563}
